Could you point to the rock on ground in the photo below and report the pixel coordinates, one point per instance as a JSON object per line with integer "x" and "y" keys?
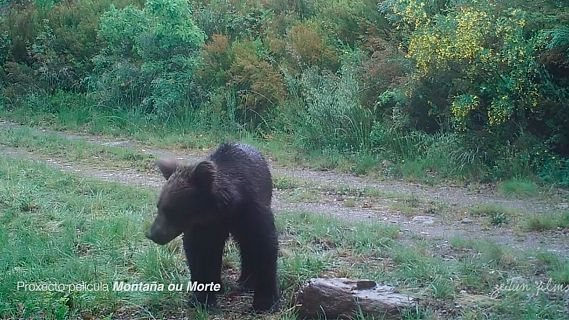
{"x": 341, "y": 297}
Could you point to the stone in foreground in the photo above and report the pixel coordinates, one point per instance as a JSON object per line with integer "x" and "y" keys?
{"x": 341, "y": 297}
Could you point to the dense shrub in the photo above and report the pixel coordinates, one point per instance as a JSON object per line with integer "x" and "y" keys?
{"x": 555, "y": 171}
{"x": 487, "y": 56}
{"x": 478, "y": 71}
{"x": 217, "y": 59}
{"x": 237, "y": 19}
{"x": 258, "y": 85}
{"x": 351, "y": 22}
{"x": 150, "y": 56}
{"x": 308, "y": 48}
{"x": 52, "y": 42}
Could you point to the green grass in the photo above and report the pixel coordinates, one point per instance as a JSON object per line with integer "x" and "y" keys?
{"x": 349, "y": 203}
{"x": 62, "y": 228}
{"x": 518, "y": 188}
{"x": 78, "y": 113}
{"x": 489, "y": 253}
{"x": 75, "y": 150}
{"x": 544, "y": 222}
{"x": 286, "y": 183}
{"x": 423, "y": 158}
{"x": 556, "y": 267}
{"x": 496, "y": 214}
{"x": 404, "y": 208}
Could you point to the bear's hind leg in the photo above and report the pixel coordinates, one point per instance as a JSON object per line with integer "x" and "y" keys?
{"x": 247, "y": 278}
{"x": 264, "y": 261}
{"x": 266, "y": 295}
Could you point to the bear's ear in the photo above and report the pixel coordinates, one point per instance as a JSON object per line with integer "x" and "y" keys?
{"x": 204, "y": 174}
{"x": 167, "y": 167}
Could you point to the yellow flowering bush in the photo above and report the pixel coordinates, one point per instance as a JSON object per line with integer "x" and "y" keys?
{"x": 483, "y": 51}
{"x": 461, "y": 108}
{"x": 413, "y": 14}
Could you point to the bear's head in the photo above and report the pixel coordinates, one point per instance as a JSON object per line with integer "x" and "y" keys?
{"x": 188, "y": 197}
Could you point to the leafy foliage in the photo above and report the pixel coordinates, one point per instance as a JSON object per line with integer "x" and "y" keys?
{"x": 150, "y": 56}
{"x": 258, "y": 85}
{"x": 333, "y": 116}
{"x": 486, "y": 55}
{"x": 49, "y": 46}
{"x": 408, "y": 81}
{"x": 308, "y": 48}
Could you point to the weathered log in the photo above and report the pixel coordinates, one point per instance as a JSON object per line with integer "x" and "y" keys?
{"x": 341, "y": 297}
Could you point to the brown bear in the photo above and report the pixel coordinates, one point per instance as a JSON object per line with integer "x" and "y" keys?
{"x": 229, "y": 193}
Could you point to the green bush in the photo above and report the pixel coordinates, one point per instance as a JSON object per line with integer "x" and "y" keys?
{"x": 555, "y": 171}
{"x": 53, "y": 42}
{"x": 342, "y": 19}
{"x": 236, "y": 19}
{"x": 259, "y": 86}
{"x": 150, "y": 57}
{"x": 478, "y": 70}
{"x": 308, "y": 48}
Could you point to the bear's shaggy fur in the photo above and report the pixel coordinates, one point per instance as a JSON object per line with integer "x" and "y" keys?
{"x": 228, "y": 193}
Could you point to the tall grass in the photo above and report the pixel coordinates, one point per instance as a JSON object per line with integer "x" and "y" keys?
{"x": 191, "y": 128}
{"x": 518, "y": 187}
{"x": 58, "y": 228}
{"x": 419, "y": 155}
{"x": 333, "y": 117}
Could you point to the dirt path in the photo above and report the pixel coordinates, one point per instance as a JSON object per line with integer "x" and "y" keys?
{"x": 438, "y": 211}
{"x": 450, "y": 195}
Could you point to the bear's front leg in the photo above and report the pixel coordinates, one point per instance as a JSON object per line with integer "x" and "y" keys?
{"x": 203, "y": 246}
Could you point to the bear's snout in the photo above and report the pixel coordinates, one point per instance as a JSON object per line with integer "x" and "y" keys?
{"x": 160, "y": 239}
{"x": 162, "y": 231}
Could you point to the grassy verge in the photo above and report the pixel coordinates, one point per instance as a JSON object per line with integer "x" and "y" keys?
{"x": 75, "y": 150}
{"x": 422, "y": 158}
{"x": 77, "y": 113}
{"x": 198, "y": 131}
{"x": 543, "y": 222}
{"x": 523, "y": 188}
{"x": 60, "y": 228}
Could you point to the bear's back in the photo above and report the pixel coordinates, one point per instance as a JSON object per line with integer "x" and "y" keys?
{"x": 245, "y": 168}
